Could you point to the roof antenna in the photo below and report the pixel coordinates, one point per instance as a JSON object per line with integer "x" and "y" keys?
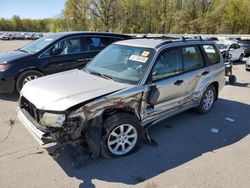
{"x": 200, "y": 37}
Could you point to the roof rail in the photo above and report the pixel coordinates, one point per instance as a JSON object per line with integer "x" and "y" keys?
{"x": 146, "y": 36}
{"x": 181, "y": 39}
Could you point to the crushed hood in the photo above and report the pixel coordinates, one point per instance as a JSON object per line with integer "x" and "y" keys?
{"x": 61, "y": 91}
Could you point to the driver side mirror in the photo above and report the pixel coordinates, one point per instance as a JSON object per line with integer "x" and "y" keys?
{"x": 56, "y": 51}
{"x": 153, "y": 95}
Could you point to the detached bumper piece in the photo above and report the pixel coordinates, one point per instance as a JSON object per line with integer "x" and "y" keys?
{"x": 34, "y": 128}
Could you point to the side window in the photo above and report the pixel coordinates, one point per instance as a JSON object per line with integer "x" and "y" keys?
{"x": 96, "y": 43}
{"x": 192, "y": 58}
{"x": 232, "y": 47}
{"x": 237, "y": 46}
{"x": 212, "y": 53}
{"x": 65, "y": 47}
{"x": 167, "y": 64}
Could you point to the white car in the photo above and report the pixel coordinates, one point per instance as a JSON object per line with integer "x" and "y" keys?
{"x": 234, "y": 49}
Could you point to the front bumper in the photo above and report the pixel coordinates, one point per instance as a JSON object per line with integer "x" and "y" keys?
{"x": 6, "y": 85}
{"x": 31, "y": 125}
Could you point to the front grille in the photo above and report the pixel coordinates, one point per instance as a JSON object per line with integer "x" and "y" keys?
{"x": 32, "y": 110}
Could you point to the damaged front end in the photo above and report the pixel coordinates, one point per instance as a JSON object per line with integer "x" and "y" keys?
{"x": 81, "y": 125}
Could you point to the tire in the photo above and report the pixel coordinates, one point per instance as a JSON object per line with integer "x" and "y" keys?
{"x": 209, "y": 95}
{"x": 232, "y": 79}
{"x": 241, "y": 58}
{"x": 247, "y": 69}
{"x": 26, "y": 76}
{"x": 114, "y": 144}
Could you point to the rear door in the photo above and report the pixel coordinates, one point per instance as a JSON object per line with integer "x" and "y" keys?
{"x": 234, "y": 52}
{"x": 94, "y": 44}
{"x": 195, "y": 72}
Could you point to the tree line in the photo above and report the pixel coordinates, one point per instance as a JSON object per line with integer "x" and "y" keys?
{"x": 143, "y": 16}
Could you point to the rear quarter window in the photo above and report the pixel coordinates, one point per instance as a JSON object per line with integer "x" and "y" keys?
{"x": 212, "y": 53}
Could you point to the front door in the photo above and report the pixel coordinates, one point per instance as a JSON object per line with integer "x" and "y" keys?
{"x": 64, "y": 55}
{"x": 170, "y": 82}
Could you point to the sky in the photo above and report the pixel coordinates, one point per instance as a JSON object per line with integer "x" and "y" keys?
{"x": 34, "y": 9}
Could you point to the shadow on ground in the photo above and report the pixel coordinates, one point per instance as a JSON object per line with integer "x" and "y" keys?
{"x": 9, "y": 96}
{"x": 180, "y": 139}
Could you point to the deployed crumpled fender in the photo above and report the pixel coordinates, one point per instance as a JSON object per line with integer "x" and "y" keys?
{"x": 94, "y": 113}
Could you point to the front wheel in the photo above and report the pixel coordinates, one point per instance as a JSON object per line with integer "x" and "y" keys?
{"x": 25, "y": 77}
{"x": 122, "y": 135}
{"x": 207, "y": 100}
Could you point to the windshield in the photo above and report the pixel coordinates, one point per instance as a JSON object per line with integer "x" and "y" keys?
{"x": 121, "y": 63}
{"x": 222, "y": 46}
{"x": 39, "y": 44}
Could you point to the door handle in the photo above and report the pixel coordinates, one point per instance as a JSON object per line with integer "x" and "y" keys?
{"x": 178, "y": 82}
{"x": 205, "y": 73}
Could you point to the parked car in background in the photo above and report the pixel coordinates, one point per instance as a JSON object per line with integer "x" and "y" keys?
{"x": 28, "y": 36}
{"x": 128, "y": 87}
{"x": 36, "y": 36}
{"x": 6, "y": 36}
{"x": 233, "y": 39}
{"x": 245, "y": 44}
{"x": 50, "y": 54}
{"x": 19, "y": 36}
{"x": 234, "y": 49}
{"x": 211, "y": 38}
{"x": 248, "y": 64}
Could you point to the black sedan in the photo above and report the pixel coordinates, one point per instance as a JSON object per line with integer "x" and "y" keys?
{"x": 51, "y": 54}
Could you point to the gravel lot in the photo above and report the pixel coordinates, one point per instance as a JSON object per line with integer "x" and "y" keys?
{"x": 188, "y": 153}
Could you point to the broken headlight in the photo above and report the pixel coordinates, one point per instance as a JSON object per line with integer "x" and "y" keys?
{"x": 52, "y": 120}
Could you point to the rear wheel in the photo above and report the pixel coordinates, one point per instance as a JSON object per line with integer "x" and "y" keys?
{"x": 25, "y": 77}
{"x": 207, "y": 100}
{"x": 122, "y": 135}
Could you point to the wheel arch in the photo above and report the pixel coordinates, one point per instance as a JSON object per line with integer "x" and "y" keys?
{"x": 110, "y": 111}
{"x": 28, "y": 69}
{"x": 25, "y": 70}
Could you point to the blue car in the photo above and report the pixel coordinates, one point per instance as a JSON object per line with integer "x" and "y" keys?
{"x": 51, "y": 54}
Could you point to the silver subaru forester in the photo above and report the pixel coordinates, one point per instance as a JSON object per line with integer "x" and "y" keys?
{"x": 130, "y": 86}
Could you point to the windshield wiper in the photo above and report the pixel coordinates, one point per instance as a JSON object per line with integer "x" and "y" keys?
{"x": 100, "y": 74}
{"x": 19, "y": 49}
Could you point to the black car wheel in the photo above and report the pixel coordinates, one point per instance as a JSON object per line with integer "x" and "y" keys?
{"x": 122, "y": 135}
{"x": 25, "y": 77}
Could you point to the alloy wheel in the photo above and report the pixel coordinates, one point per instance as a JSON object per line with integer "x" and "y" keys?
{"x": 208, "y": 100}
{"x": 29, "y": 78}
{"x": 122, "y": 139}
